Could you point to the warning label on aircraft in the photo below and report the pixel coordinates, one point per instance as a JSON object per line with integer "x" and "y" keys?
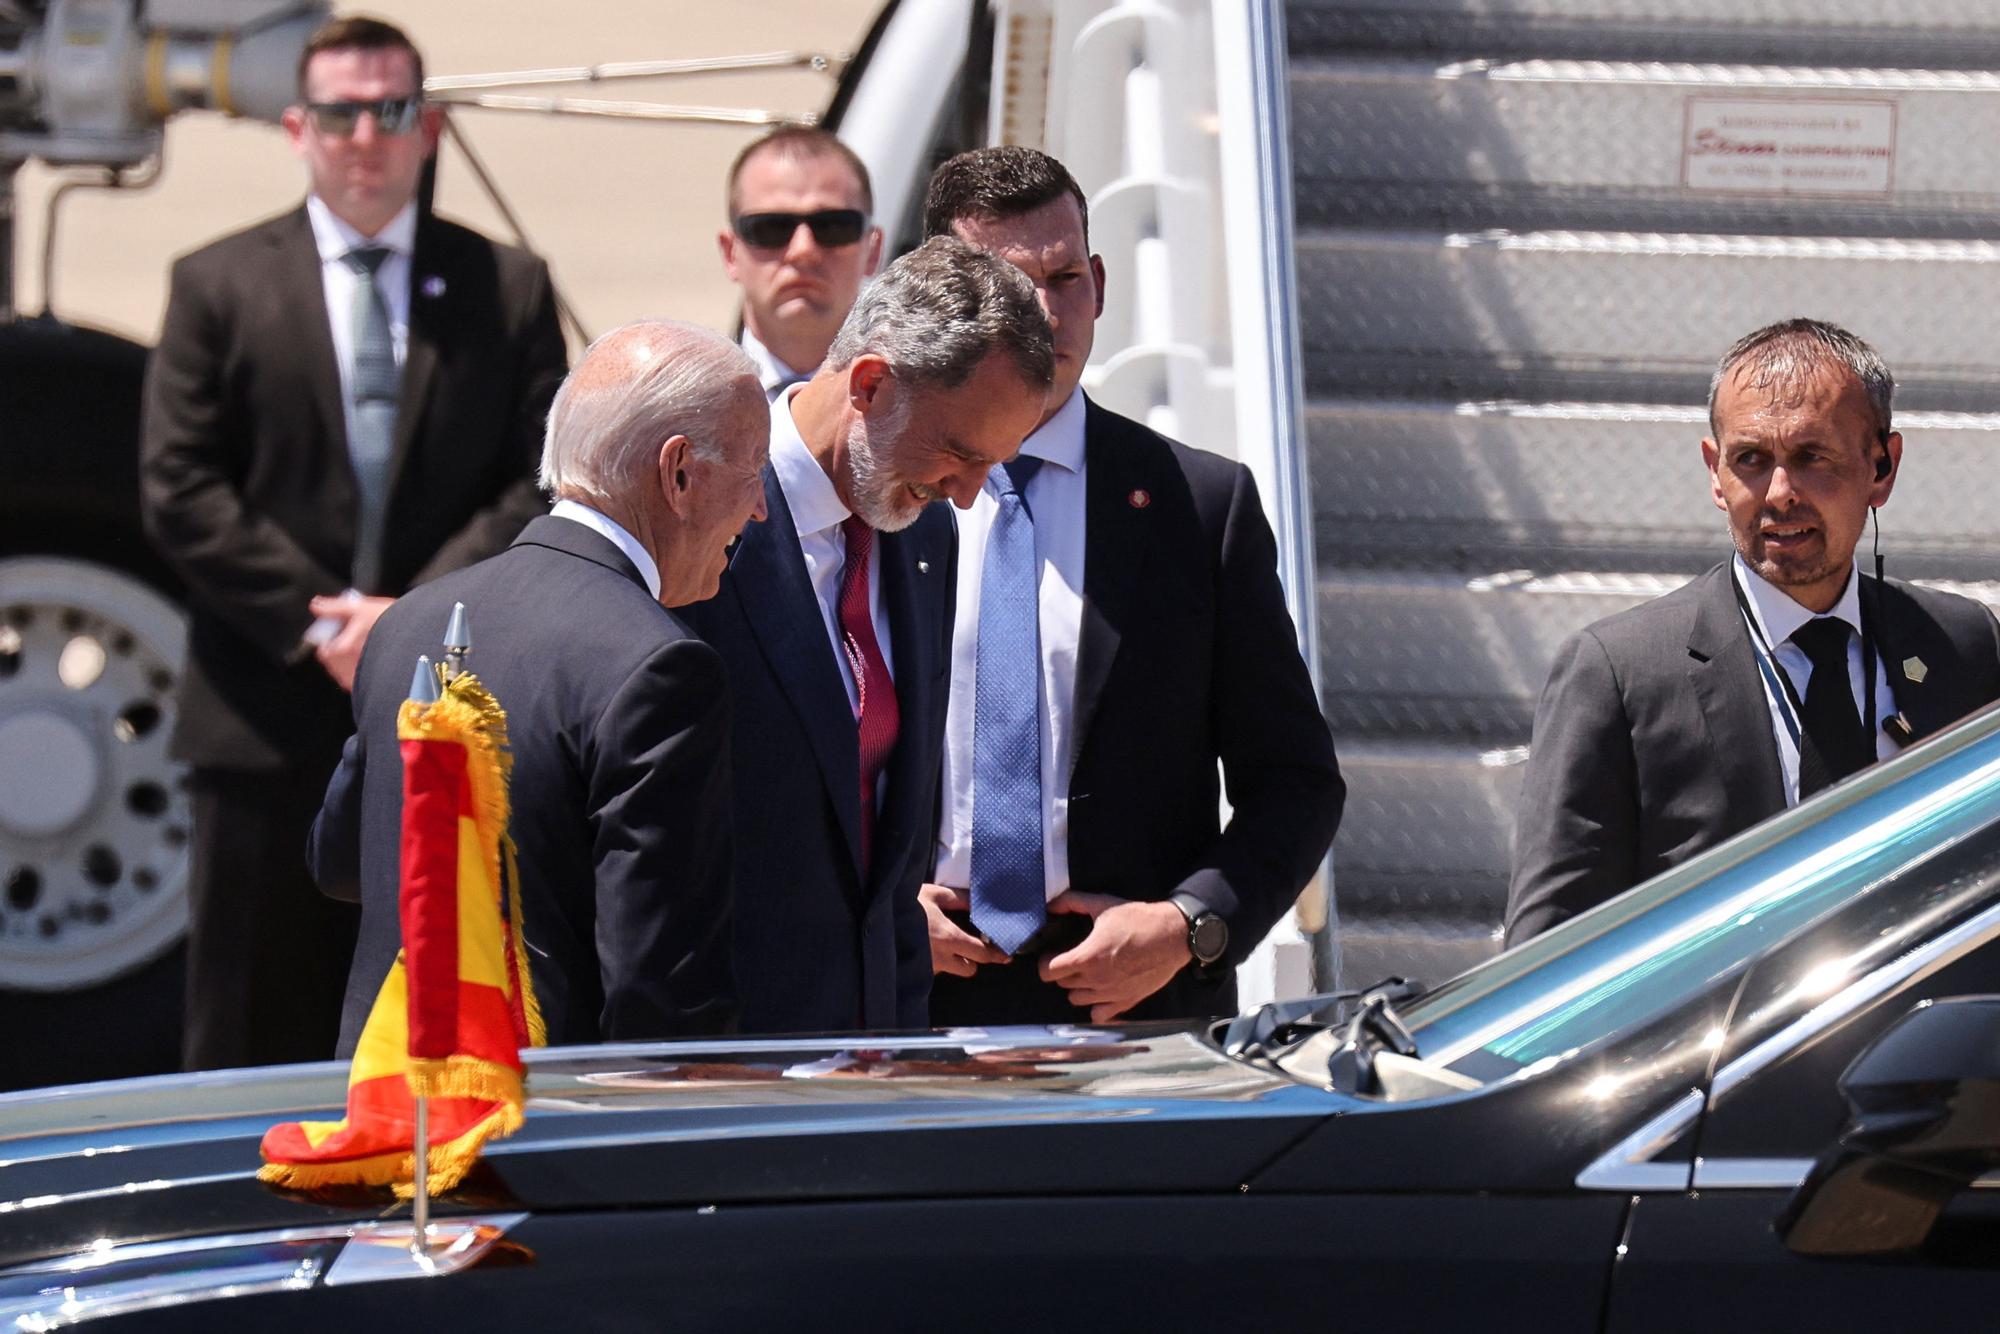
{"x": 1774, "y": 146}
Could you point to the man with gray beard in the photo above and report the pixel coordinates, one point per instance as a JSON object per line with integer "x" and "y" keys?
{"x": 835, "y": 618}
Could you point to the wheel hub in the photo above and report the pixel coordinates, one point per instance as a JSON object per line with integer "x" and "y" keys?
{"x": 94, "y": 813}
{"x": 59, "y": 765}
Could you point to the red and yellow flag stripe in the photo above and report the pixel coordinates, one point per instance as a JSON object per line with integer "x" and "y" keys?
{"x": 458, "y": 1004}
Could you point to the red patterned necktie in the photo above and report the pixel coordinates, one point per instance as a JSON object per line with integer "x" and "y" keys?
{"x": 876, "y": 715}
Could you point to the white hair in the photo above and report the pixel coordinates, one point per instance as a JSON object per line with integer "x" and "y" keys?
{"x": 636, "y": 387}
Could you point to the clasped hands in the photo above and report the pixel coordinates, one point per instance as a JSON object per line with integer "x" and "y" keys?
{"x": 340, "y": 651}
{"x": 1133, "y": 949}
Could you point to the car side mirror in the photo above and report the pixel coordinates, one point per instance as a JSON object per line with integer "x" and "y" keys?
{"x": 1923, "y": 1124}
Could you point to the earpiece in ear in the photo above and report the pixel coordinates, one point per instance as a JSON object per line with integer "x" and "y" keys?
{"x": 1882, "y": 465}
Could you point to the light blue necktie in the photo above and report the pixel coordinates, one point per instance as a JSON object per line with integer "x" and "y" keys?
{"x": 1008, "y": 898}
{"x": 371, "y": 413}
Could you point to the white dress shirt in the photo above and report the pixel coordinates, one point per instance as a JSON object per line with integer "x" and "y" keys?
{"x": 341, "y": 284}
{"x": 610, "y": 529}
{"x": 817, "y": 512}
{"x": 1778, "y": 616}
{"x": 1055, "y": 500}
{"x": 772, "y": 372}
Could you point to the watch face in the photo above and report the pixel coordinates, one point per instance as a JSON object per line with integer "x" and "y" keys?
{"x": 1209, "y": 938}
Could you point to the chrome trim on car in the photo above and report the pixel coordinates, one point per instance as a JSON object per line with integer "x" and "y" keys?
{"x": 100, "y": 1255}
{"x": 1933, "y": 954}
{"x": 1628, "y": 1165}
{"x": 381, "y": 1251}
{"x": 1750, "y": 1173}
{"x": 109, "y": 1280}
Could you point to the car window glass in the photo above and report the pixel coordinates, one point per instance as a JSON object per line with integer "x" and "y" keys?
{"x": 1819, "y": 999}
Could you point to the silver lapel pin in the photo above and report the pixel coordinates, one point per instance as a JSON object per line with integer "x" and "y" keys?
{"x": 433, "y": 286}
{"x": 1914, "y": 669}
{"x": 923, "y": 567}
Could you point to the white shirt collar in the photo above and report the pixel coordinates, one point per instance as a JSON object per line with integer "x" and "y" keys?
{"x": 771, "y": 368}
{"x": 809, "y": 492}
{"x": 335, "y": 237}
{"x": 609, "y": 528}
{"x": 1059, "y": 440}
{"x": 1779, "y": 615}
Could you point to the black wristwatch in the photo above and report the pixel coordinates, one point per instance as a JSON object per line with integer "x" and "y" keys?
{"x": 1208, "y": 934}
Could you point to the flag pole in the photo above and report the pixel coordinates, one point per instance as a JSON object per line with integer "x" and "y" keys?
{"x": 424, "y": 690}
{"x": 457, "y": 641}
{"x": 420, "y": 1203}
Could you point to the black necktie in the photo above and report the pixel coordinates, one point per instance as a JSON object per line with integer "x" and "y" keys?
{"x": 1835, "y": 742}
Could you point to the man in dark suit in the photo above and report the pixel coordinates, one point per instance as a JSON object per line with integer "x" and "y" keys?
{"x": 1120, "y": 630}
{"x": 835, "y": 620}
{"x": 617, "y": 717}
{"x": 1668, "y": 728}
{"x": 799, "y": 244}
{"x": 349, "y": 396}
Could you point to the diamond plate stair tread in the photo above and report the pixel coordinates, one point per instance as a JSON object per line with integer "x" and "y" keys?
{"x": 1957, "y": 34}
{"x": 1444, "y": 658}
{"x": 1549, "y": 135}
{"x": 1425, "y": 809}
{"x": 1460, "y": 900}
{"x": 1429, "y": 952}
{"x": 1909, "y": 15}
{"x": 1631, "y": 303}
{"x": 1407, "y": 652}
{"x": 1429, "y": 483}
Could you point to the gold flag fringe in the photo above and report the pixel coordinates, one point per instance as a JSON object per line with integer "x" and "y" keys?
{"x": 447, "y": 1162}
{"x": 466, "y": 713}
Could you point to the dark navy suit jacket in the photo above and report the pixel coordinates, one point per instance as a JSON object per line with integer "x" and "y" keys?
{"x": 618, "y": 720}
{"x": 819, "y": 945}
{"x": 1188, "y": 661}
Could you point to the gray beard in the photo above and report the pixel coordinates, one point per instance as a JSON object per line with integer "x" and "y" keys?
{"x": 876, "y": 491}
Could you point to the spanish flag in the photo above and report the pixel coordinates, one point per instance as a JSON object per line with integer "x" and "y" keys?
{"x": 457, "y": 1006}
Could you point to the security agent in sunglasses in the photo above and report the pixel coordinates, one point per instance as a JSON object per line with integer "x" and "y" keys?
{"x": 347, "y": 400}
{"x": 1668, "y": 728}
{"x": 800, "y": 244}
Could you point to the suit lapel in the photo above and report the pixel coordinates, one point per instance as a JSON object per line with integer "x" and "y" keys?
{"x": 431, "y": 313}
{"x": 1730, "y": 689}
{"x": 769, "y": 575}
{"x": 913, "y": 568}
{"x": 301, "y": 293}
{"x": 1928, "y": 705}
{"x": 1117, "y": 539}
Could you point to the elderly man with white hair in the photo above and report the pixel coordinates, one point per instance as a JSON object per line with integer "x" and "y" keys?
{"x": 618, "y": 716}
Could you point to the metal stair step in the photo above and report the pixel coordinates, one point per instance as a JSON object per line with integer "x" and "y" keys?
{"x": 1425, "y": 306}
{"x": 1947, "y": 33}
{"x": 1424, "y": 949}
{"x": 1457, "y": 659}
{"x": 1405, "y": 653}
{"x": 1607, "y": 486}
{"x": 1670, "y": 145}
{"x": 1426, "y": 808}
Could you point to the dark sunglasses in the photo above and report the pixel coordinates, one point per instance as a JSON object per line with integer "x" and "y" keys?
{"x": 830, "y": 227}
{"x": 393, "y": 115}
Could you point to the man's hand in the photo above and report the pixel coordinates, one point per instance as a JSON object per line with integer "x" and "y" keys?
{"x": 953, "y": 950}
{"x": 341, "y": 654}
{"x": 1133, "y": 950}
